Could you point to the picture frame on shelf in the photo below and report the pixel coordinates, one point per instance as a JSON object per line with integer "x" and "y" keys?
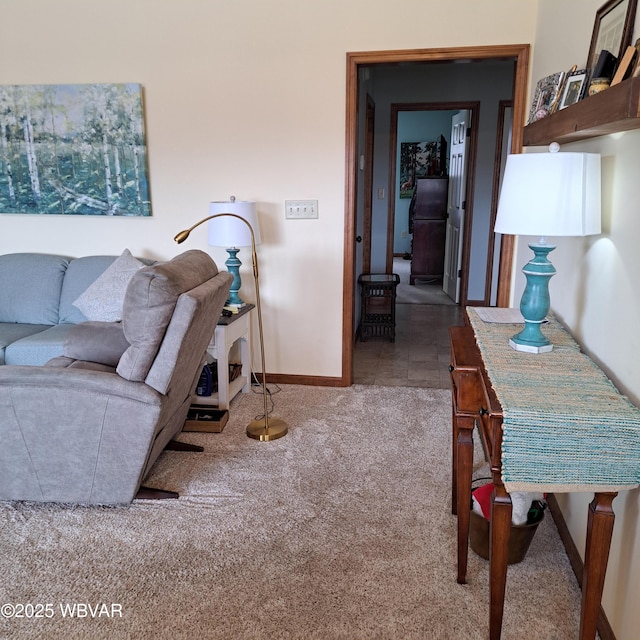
{"x": 545, "y": 96}
{"x": 574, "y": 88}
{"x": 635, "y": 64}
{"x": 612, "y": 29}
{"x": 624, "y": 66}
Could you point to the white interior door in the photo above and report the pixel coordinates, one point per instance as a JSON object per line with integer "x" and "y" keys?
{"x": 456, "y": 205}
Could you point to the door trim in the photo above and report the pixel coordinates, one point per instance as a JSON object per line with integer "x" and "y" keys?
{"x": 367, "y": 206}
{"x": 520, "y": 54}
{"x": 503, "y": 105}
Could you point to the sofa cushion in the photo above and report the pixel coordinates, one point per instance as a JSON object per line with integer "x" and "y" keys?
{"x": 101, "y": 342}
{"x": 38, "y": 348}
{"x": 31, "y": 284}
{"x": 10, "y": 332}
{"x": 103, "y": 299}
{"x": 62, "y": 362}
{"x": 149, "y": 303}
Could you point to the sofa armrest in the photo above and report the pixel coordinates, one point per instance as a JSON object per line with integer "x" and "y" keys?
{"x": 71, "y": 435}
{"x": 95, "y": 341}
{"x": 52, "y": 380}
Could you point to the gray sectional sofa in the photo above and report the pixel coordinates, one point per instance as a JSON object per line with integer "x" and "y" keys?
{"x": 37, "y": 292}
{"x": 88, "y": 425}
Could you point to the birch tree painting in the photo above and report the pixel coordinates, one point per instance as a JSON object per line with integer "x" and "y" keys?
{"x": 73, "y": 149}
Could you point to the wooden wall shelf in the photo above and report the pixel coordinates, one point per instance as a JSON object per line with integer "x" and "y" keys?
{"x": 613, "y": 110}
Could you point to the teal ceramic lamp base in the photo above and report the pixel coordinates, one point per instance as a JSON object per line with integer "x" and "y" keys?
{"x": 535, "y": 302}
{"x": 233, "y": 267}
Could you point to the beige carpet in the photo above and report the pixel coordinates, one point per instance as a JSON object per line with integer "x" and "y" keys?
{"x": 342, "y": 529}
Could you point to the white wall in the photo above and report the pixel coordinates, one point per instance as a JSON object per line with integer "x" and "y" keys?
{"x": 245, "y": 98}
{"x": 595, "y": 292}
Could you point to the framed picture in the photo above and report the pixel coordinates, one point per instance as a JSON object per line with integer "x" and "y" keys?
{"x": 623, "y": 66}
{"x": 545, "y": 96}
{"x": 635, "y": 64}
{"x": 419, "y": 160}
{"x": 612, "y": 30}
{"x": 574, "y": 87}
{"x": 73, "y": 149}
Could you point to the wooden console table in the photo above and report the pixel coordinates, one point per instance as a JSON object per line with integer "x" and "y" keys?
{"x": 485, "y": 379}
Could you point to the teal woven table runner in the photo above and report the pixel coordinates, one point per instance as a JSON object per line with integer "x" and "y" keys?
{"x": 565, "y": 425}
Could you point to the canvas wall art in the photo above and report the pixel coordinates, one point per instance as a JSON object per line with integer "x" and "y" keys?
{"x": 73, "y": 149}
{"x": 419, "y": 160}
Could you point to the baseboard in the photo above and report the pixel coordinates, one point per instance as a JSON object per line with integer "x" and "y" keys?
{"x": 604, "y": 628}
{"x": 313, "y": 381}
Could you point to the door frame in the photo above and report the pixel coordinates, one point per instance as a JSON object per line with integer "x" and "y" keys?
{"x": 367, "y": 205}
{"x": 473, "y": 107}
{"x": 520, "y": 54}
{"x": 498, "y": 162}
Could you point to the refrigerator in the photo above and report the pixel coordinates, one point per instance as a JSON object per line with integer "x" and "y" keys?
{"x": 427, "y": 223}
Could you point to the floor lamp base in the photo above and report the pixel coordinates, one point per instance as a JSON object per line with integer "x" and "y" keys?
{"x": 275, "y": 428}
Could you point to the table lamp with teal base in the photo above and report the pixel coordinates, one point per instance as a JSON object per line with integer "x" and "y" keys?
{"x": 232, "y": 233}
{"x": 546, "y": 194}
{"x": 233, "y": 265}
{"x": 535, "y": 301}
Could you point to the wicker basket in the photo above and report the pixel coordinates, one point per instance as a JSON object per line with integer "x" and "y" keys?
{"x": 519, "y": 539}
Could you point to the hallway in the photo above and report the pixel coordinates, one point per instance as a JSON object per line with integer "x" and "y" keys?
{"x": 419, "y": 357}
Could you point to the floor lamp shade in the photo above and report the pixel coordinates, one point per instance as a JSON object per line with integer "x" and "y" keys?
{"x": 546, "y": 194}
{"x": 233, "y": 230}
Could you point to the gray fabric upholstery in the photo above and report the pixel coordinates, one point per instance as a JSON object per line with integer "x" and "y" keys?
{"x": 81, "y": 272}
{"x": 72, "y": 363}
{"x": 186, "y": 340}
{"x": 76, "y": 431}
{"x": 37, "y": 348}
{"x": 11, "y": 331}
{"x": 102, "y": 301}
{"x": 37, "y": 292}
{"x": 102, "y": 342}
{"x": 149, "y": 304}
{"x": 31, "y": 286}
{"x": 85, "y": 439}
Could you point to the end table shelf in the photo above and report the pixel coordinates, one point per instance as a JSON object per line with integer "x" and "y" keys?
{"x": 229, "y": 330}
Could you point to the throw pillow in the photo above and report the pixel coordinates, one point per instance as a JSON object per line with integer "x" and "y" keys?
{"x": 103, "y": 300}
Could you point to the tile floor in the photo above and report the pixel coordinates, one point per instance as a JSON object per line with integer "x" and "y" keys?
{"x": 419, "y": 357}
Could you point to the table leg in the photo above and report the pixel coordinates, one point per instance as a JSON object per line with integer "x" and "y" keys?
{"x": 245, "y": 360}
{"x": 500, "y": 530}
{"x": 464, "y": 463}
{"x": 599, "y": 531}
{"x": 454, "y": 457}
{"x": 223, "y": 369}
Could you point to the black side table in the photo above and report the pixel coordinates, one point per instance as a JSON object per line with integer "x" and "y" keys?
{"x": 378, "y": 305}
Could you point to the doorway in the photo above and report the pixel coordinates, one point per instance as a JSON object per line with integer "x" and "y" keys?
{"x": 519, "y": 55}
{"x": 448, "y": 112}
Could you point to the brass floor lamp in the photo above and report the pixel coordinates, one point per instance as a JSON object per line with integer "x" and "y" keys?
{"x": 265, "y": 428}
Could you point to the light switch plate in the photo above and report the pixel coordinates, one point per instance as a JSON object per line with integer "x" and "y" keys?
{"x": 300, "y": 209}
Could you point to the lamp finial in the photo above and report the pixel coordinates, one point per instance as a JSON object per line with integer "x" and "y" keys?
{"x": 232, "y": 198}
